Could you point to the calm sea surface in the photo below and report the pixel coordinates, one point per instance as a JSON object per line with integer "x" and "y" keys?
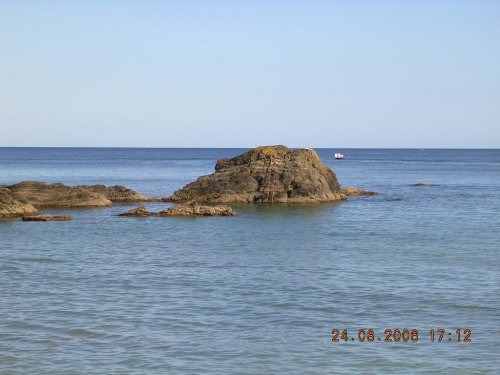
{"x": 259, "y": 293}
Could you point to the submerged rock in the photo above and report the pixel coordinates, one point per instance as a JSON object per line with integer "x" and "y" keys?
{"x": 47, "y": 218}
{"x": 423, "y": 184}
{"x": 357, "y": 191}
{"x": 12, "y": 207}
{"x": 41, "y": 194}
{"x": 137, "y": 212}
{"x": 266, "y": 174}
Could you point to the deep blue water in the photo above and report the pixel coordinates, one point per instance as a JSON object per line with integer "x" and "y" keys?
{"x": 259, "y": 293}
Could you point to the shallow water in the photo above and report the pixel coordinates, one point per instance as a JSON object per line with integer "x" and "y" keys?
{"x": 259, "y": 293}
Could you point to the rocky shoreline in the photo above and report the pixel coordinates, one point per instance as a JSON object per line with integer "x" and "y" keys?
{"x": 58, "y": 195}
{"x": 270, "y": 174}
{"x": 27, "y": 197}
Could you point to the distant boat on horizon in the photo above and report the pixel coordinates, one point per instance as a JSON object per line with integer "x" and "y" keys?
{"x": 339, "y": 156}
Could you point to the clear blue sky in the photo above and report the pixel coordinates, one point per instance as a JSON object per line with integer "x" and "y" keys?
{"x": 421, "y": 73}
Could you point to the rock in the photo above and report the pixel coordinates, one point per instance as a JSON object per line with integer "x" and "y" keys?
{"x": 61, "y": 218}
{"x": 357, "y": 191}
{"x": 47, "y": 218}
{"x": 194, "y": 209}
{"x": 159, "y": 199}
{"x": 185, "y": 209}
{"x": 423, "y": 184}
{"x": 12, "y": 207}
{"x": 266, "y": 174}
{"x": 116, "y": 193}
{"x": 41, "y": 194}
{"x": 138, "y": 212}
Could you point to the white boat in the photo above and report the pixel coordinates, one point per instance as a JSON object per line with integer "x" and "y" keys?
{"x": 339, "y": 156}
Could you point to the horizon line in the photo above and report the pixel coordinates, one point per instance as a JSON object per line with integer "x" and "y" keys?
{"x": 250, "y": 147}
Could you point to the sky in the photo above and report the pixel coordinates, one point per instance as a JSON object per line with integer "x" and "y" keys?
{"x": 351, "y": 73}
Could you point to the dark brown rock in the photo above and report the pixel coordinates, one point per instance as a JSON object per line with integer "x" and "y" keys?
{"x": 266, "y": 174}
{"x": 12, "y": 207}
{"x": 47, "y": 218}
{"x": 349, "y": 191}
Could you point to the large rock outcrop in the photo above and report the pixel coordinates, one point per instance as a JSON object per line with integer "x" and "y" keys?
{"x": 266, "y": 174}
{"x": 41, "y": 194}
{"x": 12, "y": 207}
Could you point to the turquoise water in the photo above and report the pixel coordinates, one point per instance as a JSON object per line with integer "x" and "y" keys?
{"x": 259, "y": 293}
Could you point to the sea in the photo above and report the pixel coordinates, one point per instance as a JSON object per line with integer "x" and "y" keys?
{"x": 397, "y": 274}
